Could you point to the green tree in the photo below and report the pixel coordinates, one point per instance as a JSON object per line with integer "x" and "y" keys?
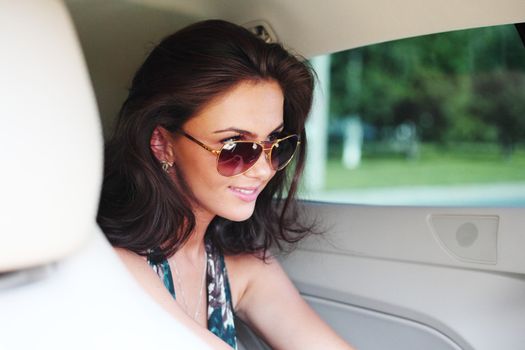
{"x": 500, "y": 101}
{"x": 445, "y": 83}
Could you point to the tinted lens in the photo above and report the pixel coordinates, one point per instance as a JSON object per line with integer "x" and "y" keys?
{"x": 283, "y": 151}
{"x": 237, "y": 157}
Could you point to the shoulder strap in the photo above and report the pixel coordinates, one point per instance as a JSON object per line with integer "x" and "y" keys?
{"x": 163, "y": 270}
{"x": 220, "y": 307}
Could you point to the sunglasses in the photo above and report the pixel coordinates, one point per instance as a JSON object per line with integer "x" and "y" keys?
{"x": 237, "y": 157}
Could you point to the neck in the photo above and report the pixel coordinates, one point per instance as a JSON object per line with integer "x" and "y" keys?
{"x": 194, "y": 247}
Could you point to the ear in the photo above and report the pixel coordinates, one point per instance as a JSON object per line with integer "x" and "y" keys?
{"x": 161, "y": 144}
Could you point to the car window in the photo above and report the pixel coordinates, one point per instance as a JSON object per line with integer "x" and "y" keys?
{"x": 431, "y": 120}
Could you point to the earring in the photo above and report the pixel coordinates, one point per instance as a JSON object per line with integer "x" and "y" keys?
{"x": 166, "y": 165}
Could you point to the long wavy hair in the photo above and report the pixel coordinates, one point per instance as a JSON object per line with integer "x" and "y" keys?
{"x": 141, "y": 207}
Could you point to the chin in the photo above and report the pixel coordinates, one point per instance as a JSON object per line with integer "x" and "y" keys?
{"x": 239, "y": 214}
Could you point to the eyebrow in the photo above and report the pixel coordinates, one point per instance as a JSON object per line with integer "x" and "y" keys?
{"x": 244, "y": 132}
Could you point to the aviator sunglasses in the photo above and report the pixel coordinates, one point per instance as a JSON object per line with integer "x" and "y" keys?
{"x": 237, "y": 157}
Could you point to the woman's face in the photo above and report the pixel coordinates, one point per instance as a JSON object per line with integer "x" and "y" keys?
{"x": 250, "y": 111}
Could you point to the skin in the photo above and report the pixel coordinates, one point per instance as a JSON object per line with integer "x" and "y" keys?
{"x": 256, "y": 108}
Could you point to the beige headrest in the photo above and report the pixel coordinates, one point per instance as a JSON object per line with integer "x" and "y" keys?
{"x": 50, "y": 137}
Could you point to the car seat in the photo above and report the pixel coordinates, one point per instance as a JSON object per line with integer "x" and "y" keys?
{"x": 61, "y": 284}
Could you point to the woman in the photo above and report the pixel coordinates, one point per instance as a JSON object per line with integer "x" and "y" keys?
{"x": 202, "y": 147}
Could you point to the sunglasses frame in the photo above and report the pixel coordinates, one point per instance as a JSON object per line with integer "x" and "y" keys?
{"x": 266, "y": 150}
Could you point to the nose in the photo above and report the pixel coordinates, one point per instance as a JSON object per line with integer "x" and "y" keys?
{"x": 262, "y": 169}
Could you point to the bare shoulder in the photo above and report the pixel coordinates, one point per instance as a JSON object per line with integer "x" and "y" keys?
{"x": 147, "y": 278}
{"x": 139, "y": 268}
{"x": 128, "y": 257}
{"x": 137, "y": 265}
{"x": 249, "y": 262}
{"x": 248, "y": 270}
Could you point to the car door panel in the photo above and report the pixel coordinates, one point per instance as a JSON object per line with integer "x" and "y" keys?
{"x": 380, "y": 275}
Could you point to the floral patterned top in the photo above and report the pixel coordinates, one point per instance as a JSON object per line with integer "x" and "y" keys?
{"x": 220, "y": 308}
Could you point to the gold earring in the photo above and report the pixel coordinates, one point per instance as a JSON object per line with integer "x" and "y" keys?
{"x": 166, "y": 165}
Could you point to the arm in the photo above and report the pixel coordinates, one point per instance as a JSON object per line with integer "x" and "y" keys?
{"x": 273, "y": 307}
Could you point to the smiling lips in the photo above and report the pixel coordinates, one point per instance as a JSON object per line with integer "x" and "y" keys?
{"x": 247, "y": 194}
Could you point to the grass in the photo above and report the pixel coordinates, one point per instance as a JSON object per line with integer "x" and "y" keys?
{"x": 460, "y": 164}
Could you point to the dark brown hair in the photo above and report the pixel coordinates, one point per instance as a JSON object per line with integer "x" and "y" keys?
{"x": 141, "y": 207}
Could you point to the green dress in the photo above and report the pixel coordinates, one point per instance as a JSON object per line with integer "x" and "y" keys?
{"x": 220, "y": 308}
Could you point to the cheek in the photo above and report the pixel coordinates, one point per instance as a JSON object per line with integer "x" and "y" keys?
{"x": 202, "y": 176}
{"x": 199, "y": 173}
{"x": 194, "y": 162}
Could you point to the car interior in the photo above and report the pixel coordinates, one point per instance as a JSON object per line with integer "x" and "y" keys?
{"x": 408, "y": 276}
{"x": 61, "y": 284}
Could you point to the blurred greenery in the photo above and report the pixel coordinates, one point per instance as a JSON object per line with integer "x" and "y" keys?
{"x": 436, "y": 165}
{"x": 463, "y": 86}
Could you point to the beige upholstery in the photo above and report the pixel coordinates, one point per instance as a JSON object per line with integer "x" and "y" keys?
{"x": 50, "y": 138}
{"x": 61, "y": 284}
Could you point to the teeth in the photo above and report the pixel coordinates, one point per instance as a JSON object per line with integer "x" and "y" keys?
{"x": 244, "y": 191}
